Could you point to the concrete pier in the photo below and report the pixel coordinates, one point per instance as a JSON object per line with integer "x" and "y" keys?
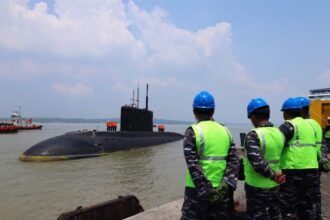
{"x": 172, "y": 210}
{"x": 325, "y": 191}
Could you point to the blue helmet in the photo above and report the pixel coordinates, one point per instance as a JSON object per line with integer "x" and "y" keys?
{"x": 303, "y": 101}
{"x": 204, "y": 100}
{"x": 255, "y": 104}
{"x": 291, "y": 103}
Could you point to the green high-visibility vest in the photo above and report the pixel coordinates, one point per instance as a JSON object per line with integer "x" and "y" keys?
{"x": 318, "y": 135}
{"x": 271, "y": 146}
{"x": 327, "y": 134}
{"x": 301, "y": 151}
{"x": 212, "y": 142}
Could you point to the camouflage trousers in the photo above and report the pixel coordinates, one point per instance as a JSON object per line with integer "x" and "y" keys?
{"x": 327, "y": 142}
{"x": 196, "y": 209}
{"x": 262, "y": 204}
{"x": 296, "y": 194}
{"x": 317, "y": 198}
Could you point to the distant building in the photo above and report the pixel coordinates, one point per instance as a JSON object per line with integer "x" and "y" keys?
{"x": 320, "y": 105}
{"x": 319, "y": 94}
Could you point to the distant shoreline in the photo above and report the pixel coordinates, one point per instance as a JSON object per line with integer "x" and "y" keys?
{"x": 100, "y": 120}
{"x": 103, "y": 120}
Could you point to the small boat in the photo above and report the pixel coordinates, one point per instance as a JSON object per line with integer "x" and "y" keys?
{"x": 8, "y": 128}
{"x": 22, "y": 123}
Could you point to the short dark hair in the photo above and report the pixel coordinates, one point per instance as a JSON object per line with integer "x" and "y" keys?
{"x": 204, "y": 113}
{"x": 262, "y": 113}
{"x": 293, "y": 113}
{"x": 305, "y": 110}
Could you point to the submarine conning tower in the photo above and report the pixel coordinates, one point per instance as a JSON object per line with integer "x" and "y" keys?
{"x": 132, "y": 118}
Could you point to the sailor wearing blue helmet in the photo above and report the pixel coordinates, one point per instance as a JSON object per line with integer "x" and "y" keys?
{"x": 212, "y": 164}
{"x": 298, "y": 163}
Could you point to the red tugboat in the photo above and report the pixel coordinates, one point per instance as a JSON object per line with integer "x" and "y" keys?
{"x": 21, "y": 123}
{"x": 8, "y": 128}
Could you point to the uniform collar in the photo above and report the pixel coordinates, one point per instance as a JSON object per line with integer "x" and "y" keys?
{"x": 265, "y": 124}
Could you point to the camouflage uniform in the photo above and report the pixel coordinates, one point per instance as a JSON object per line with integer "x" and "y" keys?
{"x": 326, "y": 138}
{"x": 262, "y": 203}
{"x": 296, "y": 194}
{"x": 193, "y": 206}
{"x": 317, "y": 191}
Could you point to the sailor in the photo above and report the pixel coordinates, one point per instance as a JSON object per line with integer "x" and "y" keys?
{"x": 298, "y": 163}
{"x": 326, "y": 134}
{"x": 321, "y": 154}
{"x": 263, "y": 150}
{"x": 111, "y": 126}
{"x": 212, "y": 164}
{"x": 161, "y": 128}
{"x": 114, "y": 126}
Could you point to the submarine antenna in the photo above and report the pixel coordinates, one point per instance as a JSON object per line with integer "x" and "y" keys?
{"x": 138, "y": 96}
{"x": 133, "y": 100}
{"x": 147, "y": 98}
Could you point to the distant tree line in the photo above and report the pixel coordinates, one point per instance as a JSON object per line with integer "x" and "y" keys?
{"x": 98, "y": 120}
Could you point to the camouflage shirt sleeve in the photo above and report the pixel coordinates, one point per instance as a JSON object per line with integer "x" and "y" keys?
{"x": 287, "y": 130}
{"x": 232, "y": 169}
{"x": 324, "y": 151}
{"x": 195, "y": 170}
{"x": 252, "y": 148}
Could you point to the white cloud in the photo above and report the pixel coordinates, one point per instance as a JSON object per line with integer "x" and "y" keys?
{"x": 113, "y": 45}
{"x": 125, "y": 37}
{"x": 89, "y": 28}
{"x": 73, "y": 90}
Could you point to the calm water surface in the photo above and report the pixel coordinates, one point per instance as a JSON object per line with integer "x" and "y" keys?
{"x": 43, "y": 190}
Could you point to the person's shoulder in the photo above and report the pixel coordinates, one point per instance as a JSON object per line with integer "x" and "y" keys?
{"x": 222, "y": 124}
{"x": 190, "y": 128}
{"x": 189, "y": 131}
{"x": 286, "y": 124}
{"x": 251, "y": 134}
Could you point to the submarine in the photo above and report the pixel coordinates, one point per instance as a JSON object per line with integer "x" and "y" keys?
{"x": 136, "y": 131}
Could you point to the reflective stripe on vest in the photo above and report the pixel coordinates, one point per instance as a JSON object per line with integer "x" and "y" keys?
{"x": 271, "y": 145}
{"x": 212, "y": 142}
{"x": 318, "y": 135}
{"x": 301, "y": 151}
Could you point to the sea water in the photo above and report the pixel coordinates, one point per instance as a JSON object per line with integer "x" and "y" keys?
{"x": 43, "y": 190}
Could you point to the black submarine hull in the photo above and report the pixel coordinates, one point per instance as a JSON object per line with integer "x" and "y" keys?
{"x": 82, "y": 144}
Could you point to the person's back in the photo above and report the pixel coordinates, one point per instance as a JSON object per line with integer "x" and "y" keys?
{"x": 211, "y": 162}
{"x": 322, "y": 157}
{"x": 301, "y": 150}
{"x": 299, "y": 163}
{"x": 263, "y": 147}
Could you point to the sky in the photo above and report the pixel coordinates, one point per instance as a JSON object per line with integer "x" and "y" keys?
{"x": 83, "y": 59}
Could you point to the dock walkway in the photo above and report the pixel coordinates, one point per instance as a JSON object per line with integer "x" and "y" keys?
{"x": 172, "y": 210}
{"x": 325, "y": 191}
